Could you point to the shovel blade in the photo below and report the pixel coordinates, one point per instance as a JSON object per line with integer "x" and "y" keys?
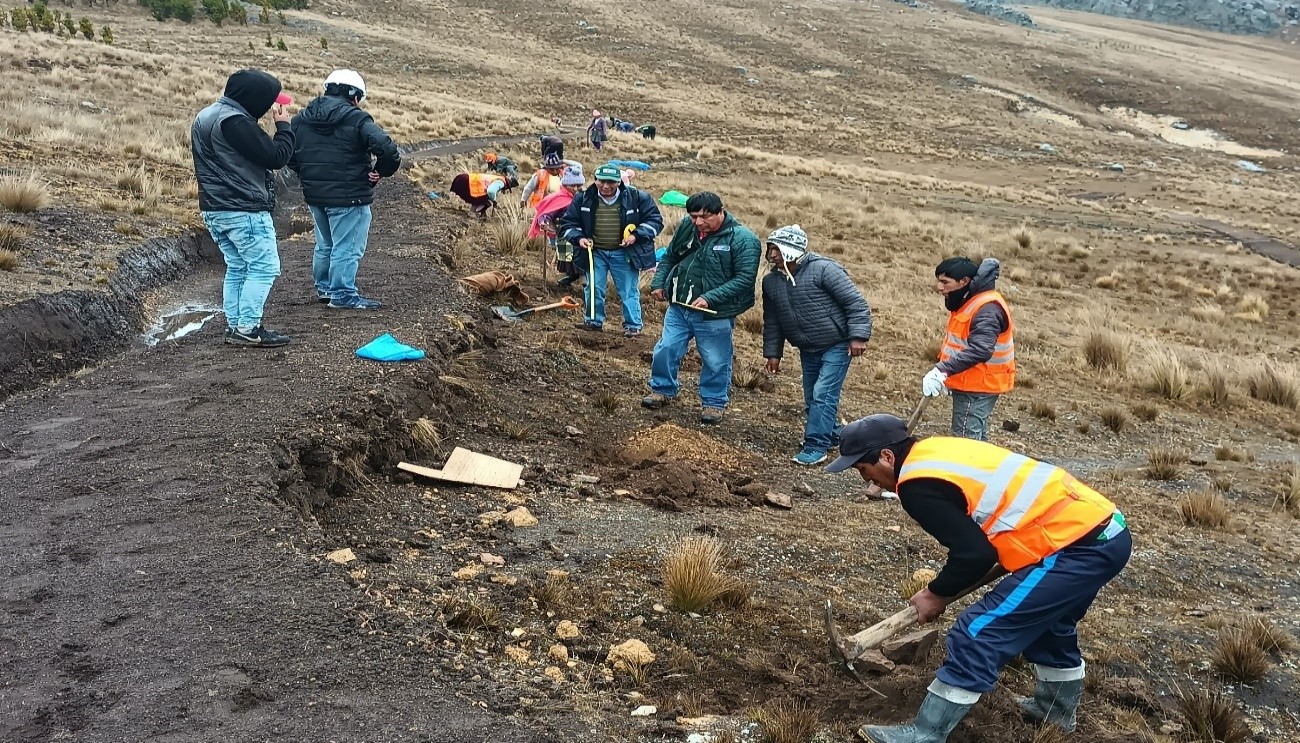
{"x": 506, "y": 313}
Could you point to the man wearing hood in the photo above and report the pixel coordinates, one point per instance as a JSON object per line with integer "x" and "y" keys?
{"x": 233, "y": 160}
{"x": 340, "y": 157}
{"x": 977, "y": 361}
{"x": 811, "y": 302}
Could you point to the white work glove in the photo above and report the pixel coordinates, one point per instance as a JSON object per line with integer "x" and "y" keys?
{"x": 932, "y": 384}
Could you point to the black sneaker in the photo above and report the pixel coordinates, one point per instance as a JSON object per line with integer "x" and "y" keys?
{"x": 566, "y": 281}
{"x": 593, "y": 327}
{"x": 355, "y": 303}
{"x": 258, "y": 336}
{"x": 323, "y": 298}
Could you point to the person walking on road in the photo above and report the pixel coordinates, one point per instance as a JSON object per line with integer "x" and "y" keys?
{"x": 340, "y": 157}
{"x": 614, "y": 228}
{"x": 707, "y": 276}
{"x": 1058, "y": 541}
{"x": 233, "y": 163}
{"x": 811, "y": 302}
{"x": 977, "y": 361}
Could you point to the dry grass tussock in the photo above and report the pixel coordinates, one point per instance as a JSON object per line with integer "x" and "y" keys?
{"x": 23, "y": 195}
{"x": 1229, "y": 453}
{"x": 1273, "y": 385}
{"x": 9, "y": 260}
{"x": 1267, "y": 636}
{"x": 1106, "y": 349}
{"x": 1238, "y": 656}
{"x": 694, "y": 579}
{"x": 11, "y": 236}
{"x": 509, "y": 230}
{"x": 1211, "y": 717}
{"x": 1167, "y": 375}
{"x": 1164, "y": 464}
{"x": 1042, "y": 409}
{"x": 787, "y": 721}
{"x": 1145, "y": 412}
{"x": 1206, "y": 509}
{"x": 1215, "y": 388}
{"x": 1289, "y": 491}
{"x": 425, "y": 435}
{"x": 1114, "y": 418}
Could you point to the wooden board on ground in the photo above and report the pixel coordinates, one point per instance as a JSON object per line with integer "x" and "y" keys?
{"x": 472, "y": 468}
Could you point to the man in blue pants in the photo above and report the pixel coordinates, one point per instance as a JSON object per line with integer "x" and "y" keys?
{"x": 997, "y": 512}
{"x": 614, "y": 228}
{"x": 341, "y": 156}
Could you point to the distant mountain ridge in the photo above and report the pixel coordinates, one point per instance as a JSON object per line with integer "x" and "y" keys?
{"x": 1230, "y": 16}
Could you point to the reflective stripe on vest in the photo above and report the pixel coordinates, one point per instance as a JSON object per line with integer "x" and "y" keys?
{"x": 1028, "y": 509}
{"x": 995, "y": 376}
{"x": 479, "y": 182}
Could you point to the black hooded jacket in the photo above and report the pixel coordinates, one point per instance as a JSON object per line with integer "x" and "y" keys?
{"x": 335, "y": 143}
{"x": 233, "y": 156}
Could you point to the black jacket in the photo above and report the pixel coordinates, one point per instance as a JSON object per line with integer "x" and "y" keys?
{"x": 233, "y": 156}
{"x": 820, "y": 309}
{"x": 638, "y": 207}
{"x": 335, "y": 143}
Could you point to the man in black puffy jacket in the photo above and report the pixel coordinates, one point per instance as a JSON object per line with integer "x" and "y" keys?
{"x": 233, "y": 160}
{"x": 811, "y": 302}
{"x": 340, "y": 157}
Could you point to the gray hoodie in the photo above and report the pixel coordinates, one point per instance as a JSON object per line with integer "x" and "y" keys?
{"x": 820, "y": 309}
{"x": 989, "y": 322}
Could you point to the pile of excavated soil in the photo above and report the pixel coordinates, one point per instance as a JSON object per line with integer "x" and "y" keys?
{"x": 672, "y": 443}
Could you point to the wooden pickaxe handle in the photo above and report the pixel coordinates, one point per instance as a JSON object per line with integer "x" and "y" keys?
{"x": 916, "y": 414}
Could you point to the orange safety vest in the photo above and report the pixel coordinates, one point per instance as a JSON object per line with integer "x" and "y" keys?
{"x": 543, "y": 188}
{"x": 479, "y": 182}
{"x": 1029, "y": 509}
{"x": 998, "y": 374}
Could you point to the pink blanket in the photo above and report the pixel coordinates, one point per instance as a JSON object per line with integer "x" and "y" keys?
{"x": 556, "y": 202}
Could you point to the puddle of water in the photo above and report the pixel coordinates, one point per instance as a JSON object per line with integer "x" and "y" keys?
{"x": 1201, "y": 139}
{"x": 179, "y": 322}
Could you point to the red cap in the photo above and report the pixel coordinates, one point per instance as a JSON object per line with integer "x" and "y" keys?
{"x": 284, "y": 99}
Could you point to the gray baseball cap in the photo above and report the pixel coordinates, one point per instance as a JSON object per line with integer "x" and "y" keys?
{"x": 866, "y": 434}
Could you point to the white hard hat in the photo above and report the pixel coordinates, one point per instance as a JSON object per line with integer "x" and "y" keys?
{"x": 791, "y": 240}
{"x": 351, "y": 78}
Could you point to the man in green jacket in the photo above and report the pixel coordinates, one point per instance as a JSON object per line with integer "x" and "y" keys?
{"x": 708, "y": 279}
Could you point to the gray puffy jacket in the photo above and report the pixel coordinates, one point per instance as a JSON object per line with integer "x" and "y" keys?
{"x": 822, "y": 308}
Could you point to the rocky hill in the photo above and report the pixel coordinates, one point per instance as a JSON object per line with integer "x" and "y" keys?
{"x": 1230, "y": 16}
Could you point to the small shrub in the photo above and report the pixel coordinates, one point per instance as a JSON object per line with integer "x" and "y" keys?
{"x": 106, "y": 35}
{"x": 1167, "y": 376}
{"x": 279, "y": 44}
{"x": 787, "y": 721}
{"x": 1268, "y": 384}
{"x": 1215, "y": 389}
{"x": 1211, "y": 717}
{"x": 8, "y": 260}
{"x": 23, "y": 195}
{"x": 425, "y": 435}
{"x": 1114, "y": 418}
{"x": 1106, "y": 349}
{"x": 1164, "y": 464}
{"x": 1206, "y": 509}
{"x": 607, "y": 402}
{"x": 1226, "y": 453}
{"x": 1041, "y": 409}
{"x": 324, "y": 43}
{"x": 239, "y": 14}
{"x": 1238, "y": 657}
{"x": 11, "y": 236}
{"x": 1144, "y": 412}
{"x": 692, "y": 575}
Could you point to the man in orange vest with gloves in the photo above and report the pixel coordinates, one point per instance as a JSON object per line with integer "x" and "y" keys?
{"x": 996, "y": 511}
{"x": 977, "y": 361}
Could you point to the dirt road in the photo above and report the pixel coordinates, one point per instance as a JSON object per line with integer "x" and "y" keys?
{"x": 159, "y": 588}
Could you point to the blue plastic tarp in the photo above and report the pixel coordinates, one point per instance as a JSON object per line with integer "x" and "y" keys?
{"x": 388, "y": 348}
{"x": 633, "y": 164}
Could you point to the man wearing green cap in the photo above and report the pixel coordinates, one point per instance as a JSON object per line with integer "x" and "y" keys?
{"x": 614, "y": 228}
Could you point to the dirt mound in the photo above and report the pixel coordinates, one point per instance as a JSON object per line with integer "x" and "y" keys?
{"x": 669, "y": 442}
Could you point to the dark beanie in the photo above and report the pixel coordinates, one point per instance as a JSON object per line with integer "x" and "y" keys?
{"x": 958, "y": 267}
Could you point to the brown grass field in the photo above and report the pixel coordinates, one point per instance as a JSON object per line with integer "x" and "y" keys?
{"x": 1159, "y": 360}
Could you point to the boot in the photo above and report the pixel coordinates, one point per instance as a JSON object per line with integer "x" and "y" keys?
{"x": 1053, "y": 702}
{"x": 936, "y": 718}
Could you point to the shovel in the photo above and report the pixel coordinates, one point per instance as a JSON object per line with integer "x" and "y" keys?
{"x": 509, "y": 314}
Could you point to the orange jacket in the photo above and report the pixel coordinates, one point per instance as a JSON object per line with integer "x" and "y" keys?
{"x": 998, "y": 374}
{"x": 1029, "y": 509}
{"x": 479, "y": 182}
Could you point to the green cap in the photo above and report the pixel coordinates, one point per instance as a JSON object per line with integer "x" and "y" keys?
{"x": 608, "y": 172}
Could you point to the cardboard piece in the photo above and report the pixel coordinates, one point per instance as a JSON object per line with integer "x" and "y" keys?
{"x": 472, "y": 468}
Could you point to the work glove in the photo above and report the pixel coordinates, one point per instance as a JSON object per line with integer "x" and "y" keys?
{"x": 932, "y": 384}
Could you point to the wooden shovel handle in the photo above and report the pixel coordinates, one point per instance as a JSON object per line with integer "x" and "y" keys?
{"x": 916, "y": 414}
{"x": 890, "y": 626}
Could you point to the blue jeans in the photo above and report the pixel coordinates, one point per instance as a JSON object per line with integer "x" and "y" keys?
{"x": 341, "y": 234}
{"x": 247, "y": 241}
{"x": 1034, "y": 612}
{"x": 606, "y": 263}
{"x": 823, "y": 378}
{"x": 712, "y": 340}
{"x": 970, "y": 414}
